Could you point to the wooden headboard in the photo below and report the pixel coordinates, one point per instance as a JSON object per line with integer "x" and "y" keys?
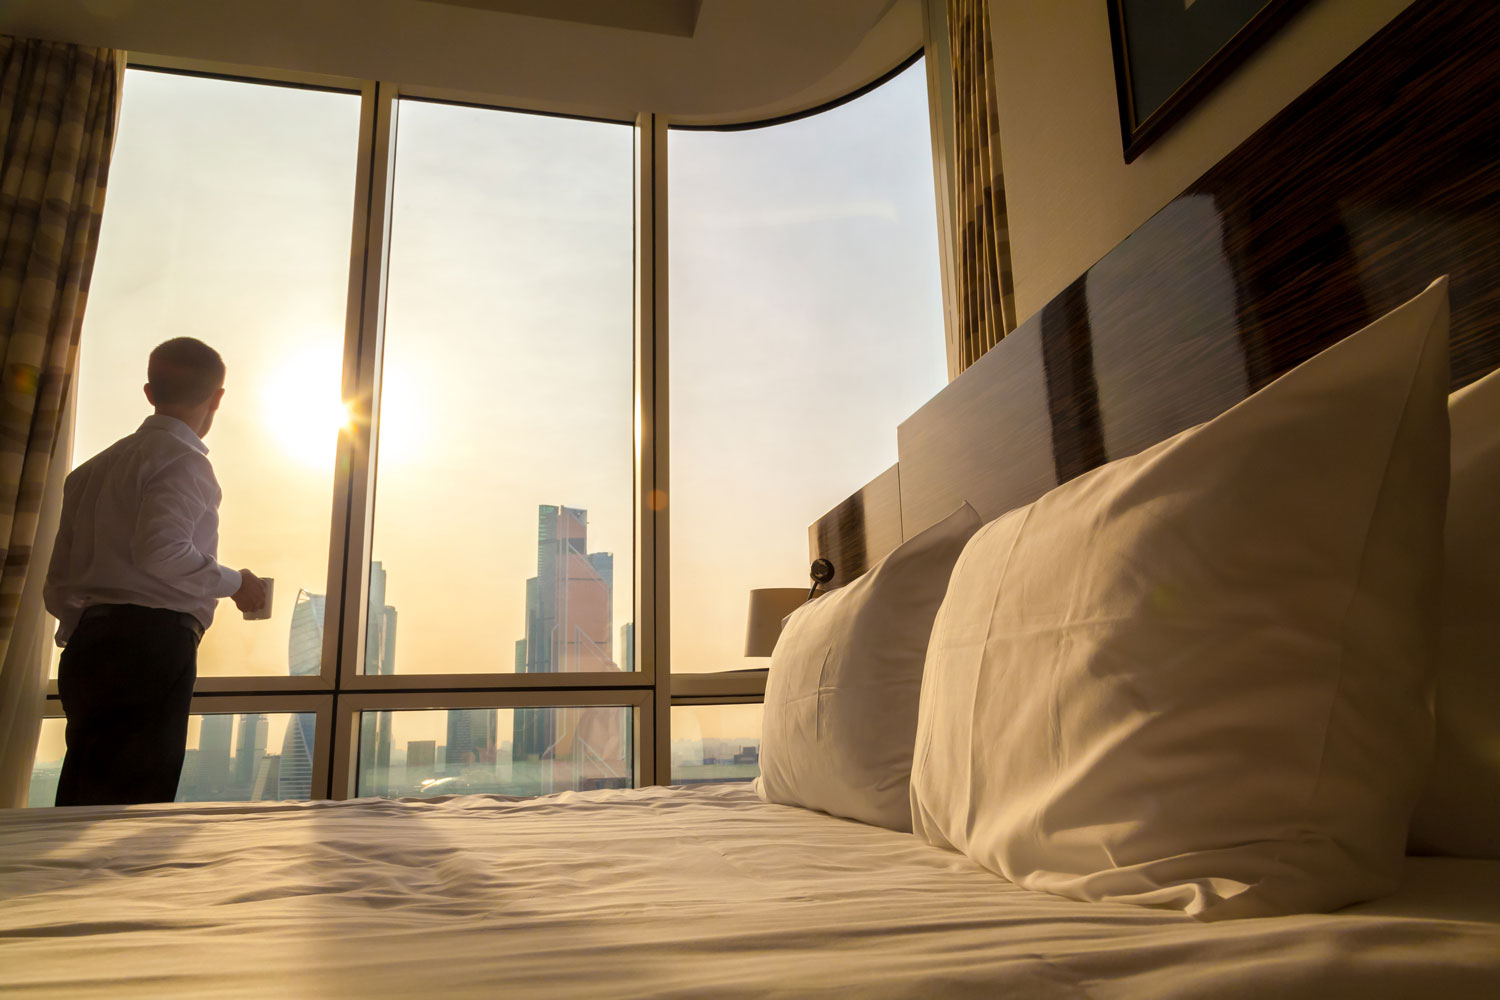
{"x": 1384, "y": 175}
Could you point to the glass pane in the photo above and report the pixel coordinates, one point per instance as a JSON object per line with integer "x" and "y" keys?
{"x": 507, "y": 751}
{"x": 248, "y": 758}
{"x": 47, "y": 764}
{"x": 806, "y": 324}
{"x": 229, "y": 218}
{"x": 252, "y": 757}
{"x": 712, "y": 743}
{"x": 504, "y": 516}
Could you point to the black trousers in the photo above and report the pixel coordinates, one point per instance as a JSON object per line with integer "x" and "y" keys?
{"x": 126, "y": 682}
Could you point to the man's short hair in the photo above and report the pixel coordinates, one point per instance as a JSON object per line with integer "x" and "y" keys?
{"x": 184, "y": 372}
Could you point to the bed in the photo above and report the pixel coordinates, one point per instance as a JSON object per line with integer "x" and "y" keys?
{"x": 1390, "y": 178}
{"x": 653, "y": 892}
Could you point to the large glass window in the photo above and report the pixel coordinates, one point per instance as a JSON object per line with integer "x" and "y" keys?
{"x": 228, "y": 218}
{"x": 712, "y": 743}
{"x": 504, "y": 521}
{"x": 250, "y": 757}
{"x": 247, "y": 757}
{"x": 509, "y": 751}
{"x": 806, "y": 324}
{"x": 46, "y": 766}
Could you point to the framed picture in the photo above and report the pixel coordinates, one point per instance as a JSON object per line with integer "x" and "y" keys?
{"x": 1170, "y": 53}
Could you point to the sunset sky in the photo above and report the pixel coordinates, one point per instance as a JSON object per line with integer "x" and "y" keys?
{"x": 805, "y": 324}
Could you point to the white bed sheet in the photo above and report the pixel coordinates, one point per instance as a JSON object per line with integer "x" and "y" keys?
{"x": 659, "y": 892}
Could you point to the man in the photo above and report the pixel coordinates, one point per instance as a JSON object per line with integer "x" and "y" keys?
{"x": 133, "y": 583}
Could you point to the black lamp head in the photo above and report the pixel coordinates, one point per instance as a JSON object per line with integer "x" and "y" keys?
{"x": 821, "y": 572}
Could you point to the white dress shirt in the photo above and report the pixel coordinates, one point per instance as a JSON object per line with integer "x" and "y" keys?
{"x": 140, "y": 525}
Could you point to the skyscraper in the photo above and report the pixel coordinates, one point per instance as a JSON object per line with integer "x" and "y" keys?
{"x": 570, "y": 628}
{"x": 212, "y": 775}
{"x": 569, "y": 611}
{"x": 305, "y": 646}
{"x": 472, "y": 738}
{"x": 380, "y": 658}
{"x": 420, "y": 757}
{"x": 249, "y": 747}
{"x": 304, "y": 658}
{"x": 267, "y": 784}
{"x": 627, "y": 646}
{"x": 294, "y": 772}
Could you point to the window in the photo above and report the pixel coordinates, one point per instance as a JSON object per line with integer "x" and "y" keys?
{"x": 713, "y": 743}
{"x": 251, "y": 757}
{"x": 245, "y": 757}
{"x": 228, "y": 218}
{"x": 806, "y": 324}
{"x": 506, "y": 751}
{"x": 454, "y": 541}
{"x": 47, "y": 764}
{"x": 504, "y": 519}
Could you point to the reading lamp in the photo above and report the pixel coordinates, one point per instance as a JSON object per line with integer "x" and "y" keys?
{"x": 769, "y": 606}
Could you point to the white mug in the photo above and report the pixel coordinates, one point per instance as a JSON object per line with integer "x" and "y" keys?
{"x": 264, "y": 611}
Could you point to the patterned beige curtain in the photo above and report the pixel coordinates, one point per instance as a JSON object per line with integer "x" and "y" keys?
{"x": 986, "y": 292}
{"x": 59, "y": 105}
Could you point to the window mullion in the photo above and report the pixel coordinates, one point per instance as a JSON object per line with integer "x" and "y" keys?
{"x": 652, "y": 482}
{"x": 343, "y": 652}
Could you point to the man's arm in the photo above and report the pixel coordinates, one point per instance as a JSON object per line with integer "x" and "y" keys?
{"x": 62, "y": 554}
{"x": 172, "y": 504}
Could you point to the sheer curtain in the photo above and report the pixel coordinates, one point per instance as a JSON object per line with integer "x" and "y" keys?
{"x": 59, "y": 105}
{"x": 985, "y": 288}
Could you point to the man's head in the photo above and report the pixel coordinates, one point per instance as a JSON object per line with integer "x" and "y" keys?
{"x": 185, "y": 379}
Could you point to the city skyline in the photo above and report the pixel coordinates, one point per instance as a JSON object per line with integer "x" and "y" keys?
{"x": 228, "y": 760}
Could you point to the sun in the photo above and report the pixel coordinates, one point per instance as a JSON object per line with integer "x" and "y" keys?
{"x": 302, "y": 406}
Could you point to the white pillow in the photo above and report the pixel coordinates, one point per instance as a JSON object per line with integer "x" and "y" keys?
{"x": 1459, "y": 812}
{"x": 1199, "y": 677}
{"x": 841, "y": 694}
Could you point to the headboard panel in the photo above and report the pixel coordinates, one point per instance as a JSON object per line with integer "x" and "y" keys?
{"x": 858, "y": 533}
{"x": 1382, "y": 176}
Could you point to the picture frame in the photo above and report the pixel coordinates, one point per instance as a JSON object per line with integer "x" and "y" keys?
{"x": 1170, "y": 54}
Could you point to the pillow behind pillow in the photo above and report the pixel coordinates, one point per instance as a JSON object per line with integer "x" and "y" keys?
{"x": 841, "y": 695}
{"x": 1459, "y": 812}
{"x": 1198, "y": 677}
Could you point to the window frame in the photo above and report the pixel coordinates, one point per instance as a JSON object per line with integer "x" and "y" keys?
{"x": 341, "y": 691}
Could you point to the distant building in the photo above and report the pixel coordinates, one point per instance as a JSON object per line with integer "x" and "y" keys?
{"x": 305, "y": 645}
{"x": 569, "y": 627}
{"x": 249, "y": 747}
{"x": 43, "y": 790}
{"x": 421, "y": 757}
{"x": 212, "y": 774}
{"x": 380, "y": 658}
{"x": 305, "y": 658}
{"x": 473, "y": 738}
{"x": 267, "y": 783}
{"x": 294, "y": 769}
{"x": 627, "y": 646}
{"x": 189, "y": 778}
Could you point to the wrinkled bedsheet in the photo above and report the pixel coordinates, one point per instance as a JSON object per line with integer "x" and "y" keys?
{"x": 654, "y": 892}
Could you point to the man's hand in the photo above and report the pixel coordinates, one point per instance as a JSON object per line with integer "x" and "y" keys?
{"x": 251, "y": 596}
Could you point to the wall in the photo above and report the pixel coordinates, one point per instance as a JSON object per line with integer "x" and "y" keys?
{"x": 1070, "y": 195}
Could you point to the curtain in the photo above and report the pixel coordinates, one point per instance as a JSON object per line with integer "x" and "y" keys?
{"x": 981, "y": 260}
{"x": 59, "y": 105}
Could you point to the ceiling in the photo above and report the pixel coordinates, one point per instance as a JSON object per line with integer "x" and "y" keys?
{"x": 664, "y": 17}
{"x": 697, "y": 61}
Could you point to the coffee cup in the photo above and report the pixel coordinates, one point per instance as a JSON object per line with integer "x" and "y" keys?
{"x": 264, "y": 611}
